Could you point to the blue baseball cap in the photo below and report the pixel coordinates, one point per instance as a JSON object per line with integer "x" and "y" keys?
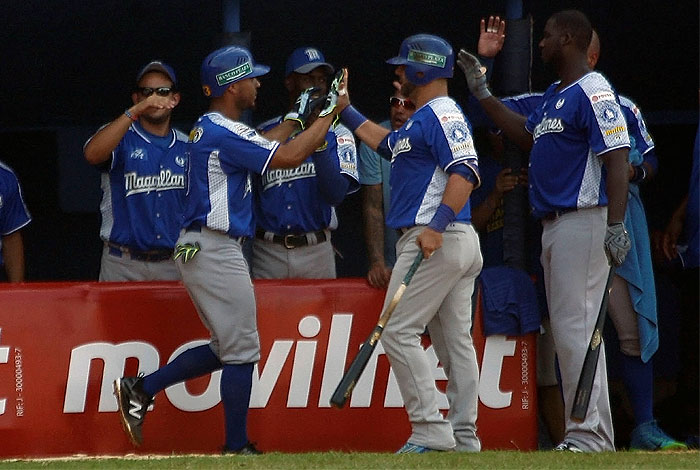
{"x": 157, "y": 66}
{"x": 305, "y": 59}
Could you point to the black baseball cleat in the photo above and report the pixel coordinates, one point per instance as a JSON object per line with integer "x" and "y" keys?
{"x": 133, "y": 405}
{"x": 248, "y": 449}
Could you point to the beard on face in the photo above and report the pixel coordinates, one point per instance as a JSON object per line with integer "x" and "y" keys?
{"x": 157, "y": 119}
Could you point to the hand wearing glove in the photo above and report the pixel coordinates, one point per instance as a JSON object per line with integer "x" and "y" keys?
{"x": 617, "y": 243}
{"x": 305, "y": 105}
{"x": 474, "y": 73}
{"x": 336, "y": 89}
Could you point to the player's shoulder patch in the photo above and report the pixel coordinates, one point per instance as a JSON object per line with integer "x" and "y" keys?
{"x": 345, "y": 140}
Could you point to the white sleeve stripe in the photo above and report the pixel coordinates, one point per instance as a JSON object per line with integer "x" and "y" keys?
{"x": 610, "y": 149}
{"x": 269, "y": 157}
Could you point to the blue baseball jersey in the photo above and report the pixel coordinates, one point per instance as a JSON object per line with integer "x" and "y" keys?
{"x": 433, "y": 140}
{"x": 13, "y": 211}
{"x": 143, "y": 190}
{"x": 571, "y": 129}
{"x": 223, "y": 154}
{"x": 637, "y": 128}
{"x": 302, "y": 199}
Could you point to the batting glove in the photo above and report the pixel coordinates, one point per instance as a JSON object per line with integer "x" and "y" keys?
{"x": 474, "y": 73}
{"x": 617, "y": 243}
{"x": 304, "y": 106}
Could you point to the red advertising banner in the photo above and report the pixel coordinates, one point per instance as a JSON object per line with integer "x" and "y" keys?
{"x": 63, "y": 344}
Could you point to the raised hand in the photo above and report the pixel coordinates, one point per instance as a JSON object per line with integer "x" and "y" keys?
{"x": 491, "y": 36}
{"x": 305, "y": 105}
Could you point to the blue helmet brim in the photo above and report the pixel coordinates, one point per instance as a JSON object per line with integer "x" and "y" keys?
{"x": 258, "y": 71}
{"x": 398, "y": 60}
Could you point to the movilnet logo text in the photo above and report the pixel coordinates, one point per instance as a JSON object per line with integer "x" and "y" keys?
{"x": 295, "y": 358}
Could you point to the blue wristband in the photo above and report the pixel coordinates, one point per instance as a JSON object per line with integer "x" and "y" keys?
{"x": 444, "y": 215}
{"x": 352, "y": 118}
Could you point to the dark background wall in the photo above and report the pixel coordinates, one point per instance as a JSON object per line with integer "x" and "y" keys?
{"x": 68, "y": 66}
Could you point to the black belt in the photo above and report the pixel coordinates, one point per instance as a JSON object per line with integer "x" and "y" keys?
{"x": 150, "y": 255}
{"x": 556, "y": 214}
{"x": 292, "y": 240}
{"x": 198, "y": 228}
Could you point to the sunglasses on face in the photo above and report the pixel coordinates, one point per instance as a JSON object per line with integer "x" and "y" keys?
{"x": 406, "y": 103}
{"x": 160, "y": 91}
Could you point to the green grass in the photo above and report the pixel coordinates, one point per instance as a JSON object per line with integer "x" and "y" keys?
{"x": 336, "y": 460}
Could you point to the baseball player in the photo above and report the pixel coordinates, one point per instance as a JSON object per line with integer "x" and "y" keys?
{"x": 142, "y": 160}
{"x": 224, "y": 154}
{"x": 375, "y": 179}
{"x": 434, "y": 168}
{"x": 580, "y": 200}
{"x": 295, "y": 208}
{"x": 13, "y": 217}
{"x": 632, "y": 305}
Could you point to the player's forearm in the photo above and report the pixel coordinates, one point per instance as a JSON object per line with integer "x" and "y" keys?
{"x": 99, "y": 148}
{"x": 294, "y": 152}
{"x": 371, "y": 134}
{"x": 374, "y": 222}
{"x": 282, "y": 131}
{"x": 13, "y": 256}
{"x": 616, "y": 185}
{"x": 511, "y": 123}
{"x": 457, "y": 192}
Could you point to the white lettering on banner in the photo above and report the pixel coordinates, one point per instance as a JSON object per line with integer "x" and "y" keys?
{"x": 265, "y": 380}
{"x": 4, "y": 357}
{"x": 336, "y": 353}
{"x": 264, "y": 383}
{"x": 303, "y": 367}
{"x": 114, "y": 357}
{"x": 495, "y": 349}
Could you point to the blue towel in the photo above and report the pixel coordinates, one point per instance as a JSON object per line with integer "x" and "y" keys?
{"x": 509, "y": 302}
{"x": 637, "y": 271}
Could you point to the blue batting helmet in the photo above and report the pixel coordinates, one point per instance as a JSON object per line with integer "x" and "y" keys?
{"x": 429, "y": 55}
{"x": 228, "y": 65}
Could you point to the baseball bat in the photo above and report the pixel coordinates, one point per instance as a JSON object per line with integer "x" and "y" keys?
{"x": 347, "y": 383}
{"x": 590, "y": 362}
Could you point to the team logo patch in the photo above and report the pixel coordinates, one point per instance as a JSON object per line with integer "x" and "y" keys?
{"x": 233, "y": 74}
{"x": 459, "y": 134}
{"x": 559, "y": 104}
{"x": 312, "y": 55}
{"x": 196, "y": 134}
{"x": 180, "y": 161}
{"x": 138, "y": 154}
{"x": 608, "y": 113}
{"x": 602, "y": 96}
{"x": 427, "y": 58}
